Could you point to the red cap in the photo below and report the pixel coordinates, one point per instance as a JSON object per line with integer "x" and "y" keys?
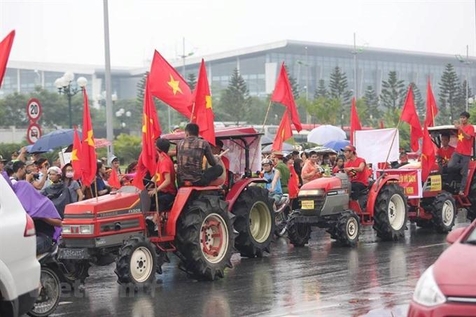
{"x": 348, "y": 148}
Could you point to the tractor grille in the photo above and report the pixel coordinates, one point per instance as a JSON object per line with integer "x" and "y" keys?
{"x": 311, "y": 205}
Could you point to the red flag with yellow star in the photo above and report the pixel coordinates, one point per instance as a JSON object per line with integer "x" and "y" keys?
{"x": 141, "y": 172}
{"x": 431, "y": 107}
{"x": 284, "y": 133}
{"x": 166, "y": 84}
{"x": 76, "y": 155}
{"x": 428, "y": 156}
{"x": 150, "y": 131}
{"x": 283, "y": 94}
{"x": 5, "y": 48}
{"x": 410, "y": 116}
{"x": 88, "y": 148}
{"x": 202, "y": 109}
{"x": 354, "y": 121}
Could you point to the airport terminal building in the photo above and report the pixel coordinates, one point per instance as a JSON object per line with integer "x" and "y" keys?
{"x": 308, "y": 62}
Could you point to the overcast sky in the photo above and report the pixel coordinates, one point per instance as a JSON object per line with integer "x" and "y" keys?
{"x": 71, "y": 31}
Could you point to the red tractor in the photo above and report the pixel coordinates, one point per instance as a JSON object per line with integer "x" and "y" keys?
{"x": 434, "y": 202}
{"x": 326, "y": 203}
{"x": 200, "y": 227}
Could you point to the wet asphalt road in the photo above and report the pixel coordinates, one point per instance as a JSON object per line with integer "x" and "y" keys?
{"x": 322, "y": 279}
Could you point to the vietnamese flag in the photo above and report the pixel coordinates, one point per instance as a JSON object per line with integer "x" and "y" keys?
{"x": 166, "y": 84}
{"x": 428, "y": 156}
{"x": 283, "y": 94}
{"x": 141, "y": 172}
{"x": 354, "y": 121}
{"x": 76, "y": 156}
{"x": 88, "y": 149}
{"x": 114, "y": 179}
{"x": 431, "y": 107}
{"x": 150, "y": 131}
{"x": 284, "y": 132}
{"x": 5, "y": 49}
{"x": 410, "y": 116}
{"x": 202, "y": 109}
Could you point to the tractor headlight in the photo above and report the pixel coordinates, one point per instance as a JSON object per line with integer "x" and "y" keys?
{"x": 66, "y": 229}
{"x": 311, "y": 192}
{"x": 86, "y": 229}
{"x": 427, "y": 292}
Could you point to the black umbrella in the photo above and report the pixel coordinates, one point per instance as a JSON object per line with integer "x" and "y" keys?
{"x": 53, "y": 140}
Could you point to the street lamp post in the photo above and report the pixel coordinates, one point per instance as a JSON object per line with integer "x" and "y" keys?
{"x": 183, "y": 57}
{"x": 467, "y": 62}
{"x": 120, "y": 113}
{"x": 64, "y": 87}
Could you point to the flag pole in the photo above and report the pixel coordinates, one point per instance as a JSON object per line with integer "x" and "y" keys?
{"x": 393, "y": 141}
{"x": 266, "y": 116}
{"x": 193, "y": 111}
{"x": 96, "y": 188}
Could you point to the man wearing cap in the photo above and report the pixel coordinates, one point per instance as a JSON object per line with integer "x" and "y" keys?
{"x": 356, "y": 168}
{"x": 464, "y": 149}
{"x": 2, "y": 163}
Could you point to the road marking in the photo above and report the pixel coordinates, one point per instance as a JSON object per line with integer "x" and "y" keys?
{"x": 431, "y": 245}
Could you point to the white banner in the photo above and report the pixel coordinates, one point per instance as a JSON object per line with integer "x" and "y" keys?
{"x": 376, "y": 146}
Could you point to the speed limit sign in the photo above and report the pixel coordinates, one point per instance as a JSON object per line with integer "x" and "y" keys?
{"x": 33, "y": 109}
{"x": 33, "y": 133}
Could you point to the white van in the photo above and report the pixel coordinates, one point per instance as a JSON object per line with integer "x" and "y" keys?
{"x": 19, "y": 268}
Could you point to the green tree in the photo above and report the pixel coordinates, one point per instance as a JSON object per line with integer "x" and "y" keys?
{"x": 191, "y": 81}
{"x": 257, "y": 110}
{"x": 128, "y": 147}
{"x": 449, "y": 96}
{"x": 141, "y": 89}
{"x": 338, "y": 90}
{"x": 462, "y": 96}
{"x": 393, "y": 92}
{"x": 321, "y": 90}
{"x": 325, "y": 111}
{"x": 371, "y": 102}
{"x": 235, "y": 100}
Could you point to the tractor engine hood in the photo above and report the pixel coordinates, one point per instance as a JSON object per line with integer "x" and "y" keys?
{"x": 114, "y": 204}
{"x": 327, "y": 184}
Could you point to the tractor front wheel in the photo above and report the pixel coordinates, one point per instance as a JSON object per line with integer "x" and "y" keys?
{"x": 391, "y": 212}
{"x": 298, "y": 233}
{"x": 137, "y": 262}
{"x": 444, "y": 212}
{"x": 255, "y": 222}
{"x": 205, "y": 237}
{"x": 348, "y": 229}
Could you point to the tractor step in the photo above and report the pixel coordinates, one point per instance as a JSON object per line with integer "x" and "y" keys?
{"x": 462, "y": 201}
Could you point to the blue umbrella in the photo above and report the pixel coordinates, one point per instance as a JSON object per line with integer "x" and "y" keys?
{"x": 53, "y": 140}
{"x": 336, "y": 145}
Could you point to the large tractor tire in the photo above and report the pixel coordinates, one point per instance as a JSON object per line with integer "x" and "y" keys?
{"x": 471, "y": 214}
{"x": 391, "y": 213}
{"x": 298, "y": 233}
{"x": 254, "y": 222}
{"x": 205, "y": 238}
{"x": 75, "y": 271}
{"x": 348, "y": 229}
{"x": 444, "y": 212}
{"x": 137, "y": 263}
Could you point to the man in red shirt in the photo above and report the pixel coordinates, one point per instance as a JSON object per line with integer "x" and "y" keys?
{"x": 164, "y": 178}
{"x": 356, "y": 168}
{"x": 464, "y": 148}
{"x": 445, "y": 152}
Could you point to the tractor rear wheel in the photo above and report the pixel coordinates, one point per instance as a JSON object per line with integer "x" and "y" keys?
{"x": 391, "y": 213}
{"x": 298, "y": 233}
{"x": 471, "y": 214}
{"x": 254, "y": 222}
{"x": 205, "y": 237}
{"x": 348, "y": 229}
{"x": 137, "y": 262}
{"x": 444, "y": 212}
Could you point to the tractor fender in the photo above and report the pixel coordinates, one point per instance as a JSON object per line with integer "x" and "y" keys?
{"x": 238, "y": 187}
{"x": 383, "y": 180}
{"x": 183, "y": 195}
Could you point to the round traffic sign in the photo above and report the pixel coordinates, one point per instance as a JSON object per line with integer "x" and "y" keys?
{"x": 33, "y": 109}
{"x": 33, "y": 133}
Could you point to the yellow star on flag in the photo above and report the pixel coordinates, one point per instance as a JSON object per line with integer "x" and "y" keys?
{"x": 208, "y": 102}
{"x": 144, "y": 124}
{"x": 282, "y": 133}
{"x": 89, "y": 140}
{"x": 74, "y": 155}
{"x": 175, "y": 85}
{"x": 460, "y": 137}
